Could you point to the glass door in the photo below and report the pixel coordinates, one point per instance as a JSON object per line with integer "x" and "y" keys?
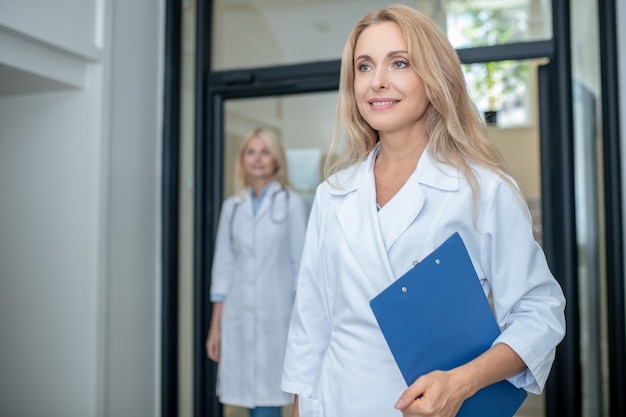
{"x": 304, "y": 124}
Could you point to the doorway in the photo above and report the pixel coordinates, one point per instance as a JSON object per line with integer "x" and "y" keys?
{"x": 203, "y": 189}
{"x": 232, "y": 100}
{"x": 302, "y": 109}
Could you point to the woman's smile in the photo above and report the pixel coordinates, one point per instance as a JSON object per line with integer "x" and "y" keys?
{"x": 382, "y": 103}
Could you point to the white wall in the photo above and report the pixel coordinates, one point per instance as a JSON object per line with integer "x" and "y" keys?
{"x": 80, "y": 132}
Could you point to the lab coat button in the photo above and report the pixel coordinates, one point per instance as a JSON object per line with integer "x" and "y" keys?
{"x": 415, "y": 262}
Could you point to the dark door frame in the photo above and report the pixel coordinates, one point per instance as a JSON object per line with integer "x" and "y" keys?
{"x": 170, "y": 160}
{"x": 611, "y": 155}
{"x": 213, "y": 88}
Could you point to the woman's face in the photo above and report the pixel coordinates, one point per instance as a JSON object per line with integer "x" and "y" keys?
{"x": 257, "y": 160}
{"x": 390, "y": 95}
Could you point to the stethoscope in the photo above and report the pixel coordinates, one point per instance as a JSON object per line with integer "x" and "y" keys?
{"x": 276, "y": 219}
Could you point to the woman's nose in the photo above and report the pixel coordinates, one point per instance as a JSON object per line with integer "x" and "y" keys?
{"x": 380, "y": 80}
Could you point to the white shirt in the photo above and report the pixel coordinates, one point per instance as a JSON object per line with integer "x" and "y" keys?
{"x": 337, "y": 359}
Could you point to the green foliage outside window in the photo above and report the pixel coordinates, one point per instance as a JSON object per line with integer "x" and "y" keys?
{"x": 493, "y": 84}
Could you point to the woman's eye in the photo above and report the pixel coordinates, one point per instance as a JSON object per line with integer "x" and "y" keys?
{"x": 363, "y": 67}
{"x": 400, "y": 64}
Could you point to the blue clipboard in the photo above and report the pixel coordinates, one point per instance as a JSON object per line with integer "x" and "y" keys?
{"x": 436, "y": 317}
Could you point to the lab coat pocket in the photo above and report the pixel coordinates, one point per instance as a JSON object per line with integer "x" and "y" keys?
{"x": 309, "y": 407}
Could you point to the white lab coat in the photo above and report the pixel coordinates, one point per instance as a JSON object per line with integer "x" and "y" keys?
{"x": 255, "y": 266}
{"x": 337, "y": 359}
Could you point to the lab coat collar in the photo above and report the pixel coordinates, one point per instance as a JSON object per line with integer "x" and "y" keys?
{"x": 266, "y": 203}
{"x": 245, "y": 199}
{"x": 429, "y": 172}
{"x": 437, "y": 174}
{"x": 371, "y": 235}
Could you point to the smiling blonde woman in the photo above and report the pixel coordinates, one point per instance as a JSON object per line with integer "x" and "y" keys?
{"x": 417, "y": 168}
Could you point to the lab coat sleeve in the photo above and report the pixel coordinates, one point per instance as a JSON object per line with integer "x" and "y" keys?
{"x": 297, "y": 228}
{"x": 223, "y": 256}
{"x": 528, "y": 301}
{"x": 309, "y": 330}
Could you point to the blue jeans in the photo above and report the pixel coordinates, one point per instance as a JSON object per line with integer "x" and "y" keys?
{"x": 265, "y": 412}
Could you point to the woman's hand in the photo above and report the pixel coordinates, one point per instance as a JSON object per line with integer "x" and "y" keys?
{"x": 213, "y": 344}
{"x": 436, "y": 394}
{"x": 296, "y": 410}
{"x": 213, "y": 339}
{"x": 442, "y": 393}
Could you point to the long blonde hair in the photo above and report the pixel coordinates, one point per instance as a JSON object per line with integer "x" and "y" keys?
{"x": 273, "y": 142}
{"x": 455, "y": 131}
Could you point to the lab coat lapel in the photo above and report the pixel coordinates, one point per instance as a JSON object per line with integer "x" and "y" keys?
{"x": 406, "y": 205}
{"x": 244, "y": 204}
{"x": 358, "y": 219}
{"x": 398, "y": 214}
{"x": 266, "y": 203}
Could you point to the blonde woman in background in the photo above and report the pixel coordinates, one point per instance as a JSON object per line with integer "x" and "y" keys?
{"x": 257, "y": 254}
{"x": 417, "y": 168}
